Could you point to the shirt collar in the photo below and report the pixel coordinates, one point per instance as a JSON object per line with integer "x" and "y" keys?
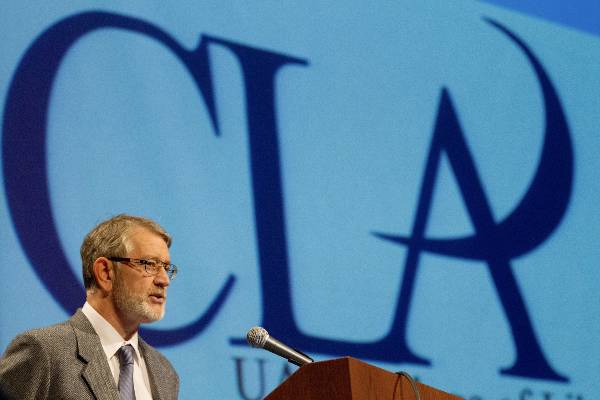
{"x": 110, "y": 339}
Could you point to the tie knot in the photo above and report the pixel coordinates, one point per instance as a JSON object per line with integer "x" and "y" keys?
{"x": 126, "y": 355}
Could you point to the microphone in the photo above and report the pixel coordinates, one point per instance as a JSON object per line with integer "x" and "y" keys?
{"x": 259, "y": 337}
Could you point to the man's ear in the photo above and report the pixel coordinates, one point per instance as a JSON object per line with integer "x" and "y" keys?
{"x": 104, "y": 274}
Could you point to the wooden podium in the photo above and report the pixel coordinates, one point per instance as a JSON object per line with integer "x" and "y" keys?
{"x": 350, "y": 379}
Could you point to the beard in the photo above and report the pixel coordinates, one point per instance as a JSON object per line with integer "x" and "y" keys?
{"x": 134, "y": 306}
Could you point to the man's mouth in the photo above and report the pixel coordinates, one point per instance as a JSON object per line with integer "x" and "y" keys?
{"x": 159, "y": 298}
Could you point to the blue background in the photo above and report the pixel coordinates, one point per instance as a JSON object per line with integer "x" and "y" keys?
{"x": 128, "y": 131}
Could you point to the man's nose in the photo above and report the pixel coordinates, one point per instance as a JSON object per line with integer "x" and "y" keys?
{"x": 162, "y": 279}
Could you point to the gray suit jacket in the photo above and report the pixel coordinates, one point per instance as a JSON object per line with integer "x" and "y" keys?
{"x": 66, "y": 361}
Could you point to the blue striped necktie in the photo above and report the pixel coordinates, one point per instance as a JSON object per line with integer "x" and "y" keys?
{"x": 126, "y": 375}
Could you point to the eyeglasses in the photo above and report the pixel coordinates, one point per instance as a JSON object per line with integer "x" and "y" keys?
{"x": 152, "y": 267}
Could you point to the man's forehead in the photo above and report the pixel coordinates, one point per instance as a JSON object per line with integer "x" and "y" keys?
{"x": 141, "y": 238}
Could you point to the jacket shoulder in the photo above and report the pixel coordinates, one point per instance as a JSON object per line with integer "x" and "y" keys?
{"x": 26, "y": 366}
{"x": 45, "y": 339}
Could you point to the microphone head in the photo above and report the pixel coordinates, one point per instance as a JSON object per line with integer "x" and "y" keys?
{"x": 257, "y": 337}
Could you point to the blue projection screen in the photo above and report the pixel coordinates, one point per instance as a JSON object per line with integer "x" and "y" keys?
{"x": 410, "y": 183}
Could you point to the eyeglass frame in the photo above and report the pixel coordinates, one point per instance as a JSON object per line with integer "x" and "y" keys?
{"x": 170, "y": 269}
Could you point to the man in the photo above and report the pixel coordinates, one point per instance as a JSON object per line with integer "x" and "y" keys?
{"x": 97, "y": 353}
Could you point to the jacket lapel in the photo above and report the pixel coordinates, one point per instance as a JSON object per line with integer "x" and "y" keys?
{"x": 157, "y": 384}
{"x": 96, "y": 372}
